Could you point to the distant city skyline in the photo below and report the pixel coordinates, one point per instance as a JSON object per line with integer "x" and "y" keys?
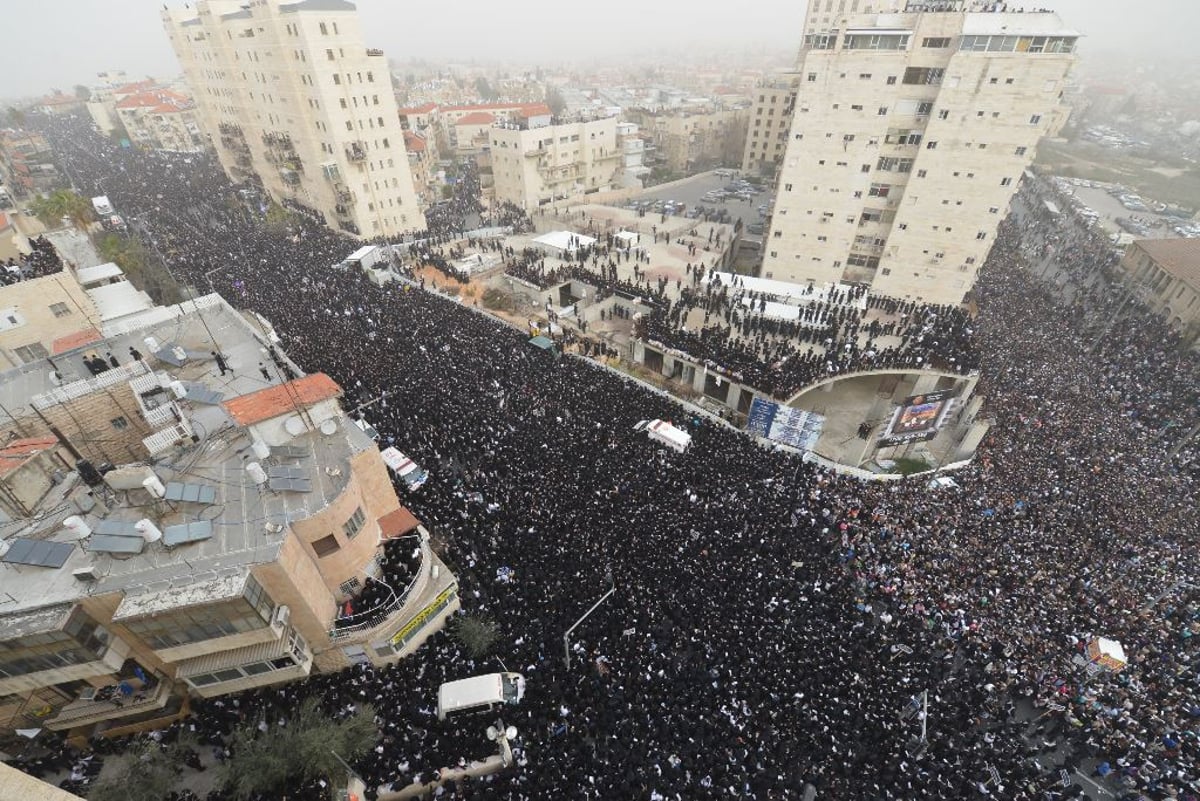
{"x": 48, "y": 49}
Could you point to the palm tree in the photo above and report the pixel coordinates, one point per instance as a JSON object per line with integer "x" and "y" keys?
{"x": 60, "y": 203}
{"x": 475, "y": 634}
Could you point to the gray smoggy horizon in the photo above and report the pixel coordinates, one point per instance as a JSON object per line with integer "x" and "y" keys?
{"x": 50, "y": 49}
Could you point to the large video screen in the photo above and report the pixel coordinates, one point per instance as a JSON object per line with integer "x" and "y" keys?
{"x": 783, "y": 424}
{"x": 918, "y": 418}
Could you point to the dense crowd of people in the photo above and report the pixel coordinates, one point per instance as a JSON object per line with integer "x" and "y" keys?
{"x": 774, "y": 626}
{"x": 41, "y": 261}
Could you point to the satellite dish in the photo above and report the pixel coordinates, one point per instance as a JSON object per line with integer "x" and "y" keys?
{"x": 294, "y": 425}
{"x": 329, "y": 427}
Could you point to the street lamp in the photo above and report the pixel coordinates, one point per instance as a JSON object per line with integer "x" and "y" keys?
{"x": 501, "y": 735}
{"x": 567, "y": 636}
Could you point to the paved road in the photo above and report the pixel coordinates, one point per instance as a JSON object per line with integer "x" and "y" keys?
{"x": 696, "y": 186}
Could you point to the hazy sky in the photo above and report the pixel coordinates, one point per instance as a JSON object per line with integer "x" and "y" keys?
{"x": 60, "y": 43}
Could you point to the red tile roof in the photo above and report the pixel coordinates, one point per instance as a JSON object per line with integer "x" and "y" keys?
{"x": 3, "y": 221}
{"x": 424, "y": 108}
{"x": 19, "y": 451}
{"x": 76, "y": 340}
{"x": 59, "y": 99}
{"x": 397, "y": 524}
{"x": 412, "y": 141}
{"x": 130, "y": 88}
{"x": 476, "y": 118}
{"x": 246, "y": 410}
{"x": 159, "y": 101}
{"x": 534, "y": 110}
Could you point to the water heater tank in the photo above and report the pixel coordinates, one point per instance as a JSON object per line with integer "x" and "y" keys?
{"x": 257, "y": 474}
{"x": 79, "y": 529}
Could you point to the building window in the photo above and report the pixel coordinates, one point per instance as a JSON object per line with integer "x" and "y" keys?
{"x": 1020, "y": 151}
{"x": 935, "y": 41}
{"x": 1005, "y": 181}
{"x": 891, "y": 80}
{"x": 119, "y": 423}
{"x": 32, "y": 352}
{"x": 931, "y": 145}
{"x": 354, "y": 525}
{"x": 921, "y": 173}
{"x": 60, "y": 309}
{"x": 812, "y": 77}
{"x": 329, "y": 55}
{"x": 326, "y": 545}
{"x": 348, "y": 586}
{"x": 337, "y": 79}
{"x": 324, "y": 29}
{"x": 981, "y": 235}
{"x": 1035, "y": 119}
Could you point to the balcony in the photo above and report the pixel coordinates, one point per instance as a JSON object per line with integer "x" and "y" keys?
{"x": 91, "y": 710}
{"x": 374, "y": 52}
{"x": 356, "y": 151}
{"x": 344, "y": 195}
{"x": 278, "y": 141}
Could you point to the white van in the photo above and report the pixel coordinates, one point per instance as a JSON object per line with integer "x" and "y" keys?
{"x": 661, "y": 431}
{"x": 405, "y": 469}
{"x": 480, "y": 693}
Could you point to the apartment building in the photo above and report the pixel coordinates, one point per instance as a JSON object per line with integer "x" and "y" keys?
{"x": 910, "y": 134}
{"x": 40, "y": 317}
{"x": 27, "y": 165}
{"x": 770, "y": 122}
{"x": 1166, "y": 274}
{"x": 161, "y": 119}
{"x": 216, "y": 553}
{"x": 533, "y": 165}
{"x": 691, "y": 141}
{"x": 292, "y": 97}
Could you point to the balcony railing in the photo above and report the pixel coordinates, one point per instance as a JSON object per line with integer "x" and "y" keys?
{"x": 356, "y": 151}
{"x": 85, "y": 712}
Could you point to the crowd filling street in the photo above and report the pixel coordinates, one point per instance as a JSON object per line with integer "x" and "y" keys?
{"x": 773, "y": 624}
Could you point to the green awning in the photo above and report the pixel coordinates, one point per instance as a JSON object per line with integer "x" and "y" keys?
{"x": 545, "y": 343}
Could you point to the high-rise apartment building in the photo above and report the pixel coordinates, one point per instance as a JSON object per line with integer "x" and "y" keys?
{"x": 289, "y": 93}
{"x": 770, "y": 122}
{"x": 911, "y": 131}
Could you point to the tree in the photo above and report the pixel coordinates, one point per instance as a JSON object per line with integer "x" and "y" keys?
{"x": 82, "y": 92}
{"x": 554, "y": 100}
{"x": 476, "y": 634}
{"x": 16, "y": 117}
{"x": 141, "y": 267}
{"x": 278, "y": 219}
{"x": 484, "y": 89}
{"x": 306, "y": 748}
{"x": 148, "y": 772}
{"x": 50, "y": 209}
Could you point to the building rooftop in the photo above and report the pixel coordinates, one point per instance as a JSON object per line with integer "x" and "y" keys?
{"x": 248, "y": 522}
{"x": 1179, "y": 257}
{"x": 19, "y": 451}
{"x": 77, "y": 340}
{"x": 246, "y": 410}
{"x": 476, "y": 118}
{"x": 424, "y": 108}
{"x": 414, "y": 142}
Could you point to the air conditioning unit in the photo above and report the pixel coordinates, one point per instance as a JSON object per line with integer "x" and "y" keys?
{"x": 87, "y": 574}
{"x": 282, "y": 615}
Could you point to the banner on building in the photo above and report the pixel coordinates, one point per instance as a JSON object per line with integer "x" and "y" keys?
{"x": 785, "y": 425}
